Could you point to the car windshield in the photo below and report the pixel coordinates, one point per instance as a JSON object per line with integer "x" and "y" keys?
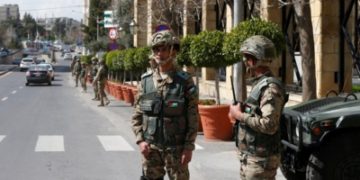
{"x": 38, "y": 68}
{"x": 27, "y": 60}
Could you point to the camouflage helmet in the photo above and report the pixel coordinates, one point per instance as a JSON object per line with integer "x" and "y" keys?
{"x": 94, "y": 59}
{"x": 102, "y": 60}
{"x": 164, "y": 37}
{"x": 260, "y": 47}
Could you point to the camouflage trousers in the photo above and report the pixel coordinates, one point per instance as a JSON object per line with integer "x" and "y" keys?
{"x": 77, "y": 77}
{"x": 258, "y": 168}
{"x": 159, "y": 160}
{"x": 96, "y": 91}
{"x": 83, "y": 83}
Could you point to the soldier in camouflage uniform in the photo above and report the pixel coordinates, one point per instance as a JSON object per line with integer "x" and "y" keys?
{"x": 100, "y": 80}
{"x": 258, "y": 118}
{"x": 94, "y": 70}
{"x": 83, "y": 76}
{"x": 165, "y": 120}
{"x": 77, "y": 71}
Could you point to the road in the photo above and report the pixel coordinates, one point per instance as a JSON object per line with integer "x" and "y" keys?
{"x": 56, "y": 132}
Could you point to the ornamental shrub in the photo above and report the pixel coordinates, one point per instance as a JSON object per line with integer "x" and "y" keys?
{"x": 183, "y": 57}
{"x": 141, "y": 58}
{"x": 206, "y": 49}
{"x": 129, "y": 64}
{"x": 246, "y": 29}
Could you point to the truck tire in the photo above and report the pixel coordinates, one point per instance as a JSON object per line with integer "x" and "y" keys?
{"x": 290, "y": 175}
{"x": 337, "y": 159}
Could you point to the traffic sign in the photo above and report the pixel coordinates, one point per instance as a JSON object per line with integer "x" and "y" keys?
{"x": 113, "y": 33}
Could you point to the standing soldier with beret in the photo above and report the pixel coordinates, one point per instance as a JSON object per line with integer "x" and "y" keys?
{"x": 165, "y": 121}
{"x": 258, "y": 118}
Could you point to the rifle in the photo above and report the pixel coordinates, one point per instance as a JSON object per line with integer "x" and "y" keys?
{"x": 237, "y": 122}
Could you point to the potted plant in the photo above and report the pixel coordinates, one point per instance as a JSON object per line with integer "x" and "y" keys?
{"x": 206, "y": 51}
{"x": 129, "y": 65}
{"x": 249, "y": 28}
{"x": 141, "y": 63}
{"x": 183, "y": 59}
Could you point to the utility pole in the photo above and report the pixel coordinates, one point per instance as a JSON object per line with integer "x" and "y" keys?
{"x": 239, "y": 68}
{"x": 97, "y": 28}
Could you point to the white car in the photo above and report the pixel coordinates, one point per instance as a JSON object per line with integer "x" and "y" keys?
{"x": 26, "y": 63}
{"x": 68, "y": 56}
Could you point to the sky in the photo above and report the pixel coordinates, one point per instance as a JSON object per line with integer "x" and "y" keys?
{"x": 49, "y": 8}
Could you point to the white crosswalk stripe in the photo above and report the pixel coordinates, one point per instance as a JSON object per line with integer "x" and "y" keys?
{"x": 115, "y": 143}
{"x": 55, "y": 143}
{"x": 2, "y": 137}
{"x": 50, "y": 144}
{"x": 198, "y": 147}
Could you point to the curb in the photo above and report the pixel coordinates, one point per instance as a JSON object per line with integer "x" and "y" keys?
{"x": 6, "y": 71}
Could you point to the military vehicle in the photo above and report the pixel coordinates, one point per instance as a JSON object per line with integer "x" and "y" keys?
{"x": 321, "y": 139}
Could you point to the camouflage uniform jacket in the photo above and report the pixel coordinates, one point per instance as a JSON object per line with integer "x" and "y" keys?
{"x": 166, "y": 88}
{"x": 101, "y": 74}
{"x": 259, "y": 134}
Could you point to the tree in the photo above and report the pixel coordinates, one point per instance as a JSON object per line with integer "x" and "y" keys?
{"x": 305, "y": 29}
{"x": 171, "y": 12}
{"x": 96, "y": 13}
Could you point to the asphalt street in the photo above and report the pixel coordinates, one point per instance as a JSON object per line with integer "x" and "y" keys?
{"x": 58, "y": 132}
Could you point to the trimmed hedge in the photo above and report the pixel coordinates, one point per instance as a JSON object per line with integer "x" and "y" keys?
{"x": 246, "y": 29}
{"x": 206, "y": 49}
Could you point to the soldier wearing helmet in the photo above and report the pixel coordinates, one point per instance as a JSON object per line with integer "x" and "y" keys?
{"x": 258, "y": 118}
{"x": 83, "y": 76}
{"x": 77, "y": 70}
{"x": 165, "y": 119}
{"x": 94, "y": 70}
{"x": 99, "y": 81}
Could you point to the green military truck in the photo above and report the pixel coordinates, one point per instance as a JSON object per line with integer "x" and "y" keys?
{"x": 321, "y": 139}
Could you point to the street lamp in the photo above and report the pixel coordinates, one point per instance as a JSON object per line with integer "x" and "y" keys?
{"x": 97, "y": 26}
{"x": 133, "y": 27}
{"x": 126, "y": 30}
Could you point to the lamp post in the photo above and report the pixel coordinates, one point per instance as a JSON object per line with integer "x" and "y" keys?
{"x": 127, "y": 30}
{"x": 98, "y": 21}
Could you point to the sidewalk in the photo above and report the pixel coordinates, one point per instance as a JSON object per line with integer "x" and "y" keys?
{"x": 4, "y": 68}
{"x": 218, "y": 161}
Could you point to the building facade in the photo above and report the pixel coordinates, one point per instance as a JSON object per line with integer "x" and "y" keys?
{"x": 335, "y": 28}
{"x": 9, "y": 11}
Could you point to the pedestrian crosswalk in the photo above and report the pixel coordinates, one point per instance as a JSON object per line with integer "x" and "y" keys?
{"x": 109, "y": 143}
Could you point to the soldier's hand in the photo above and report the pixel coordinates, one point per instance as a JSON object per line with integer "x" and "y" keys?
{"x": 235, "y": 112}
{"x": 186, "y": 157}
{"x": 144, "y": 148}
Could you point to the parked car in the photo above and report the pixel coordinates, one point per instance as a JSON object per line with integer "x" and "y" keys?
{"x": 39, "y": 61}
{"x": 16, "y": 61}
{"x": 67, "y": 56}
{"x": 38, "y": 74}
{"x": 26, "y": 63}
{"x": 4, "y": 52}
{"x": 320, "y": 139}
{"x": 50, "y": 69}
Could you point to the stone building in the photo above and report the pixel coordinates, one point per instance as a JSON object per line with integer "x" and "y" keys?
{"x": 335, "y": 27}
{"x": 9, "y": 11}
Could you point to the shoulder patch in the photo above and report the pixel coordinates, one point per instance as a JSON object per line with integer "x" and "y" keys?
{"x": 149, "y": 73}
{"x": 184, "y": 75}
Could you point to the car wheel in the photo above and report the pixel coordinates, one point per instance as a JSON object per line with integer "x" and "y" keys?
{"x": 26, "y": 84}
{"x": 337, "y": 159}
{"x": 285, "y": 169}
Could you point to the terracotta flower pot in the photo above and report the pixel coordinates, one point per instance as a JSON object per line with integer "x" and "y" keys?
{"x": 118, "y": 93}
{"x": 128, "y": 96}
{"x": 215, "y": 122}
{"x": 107, "y": 86}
